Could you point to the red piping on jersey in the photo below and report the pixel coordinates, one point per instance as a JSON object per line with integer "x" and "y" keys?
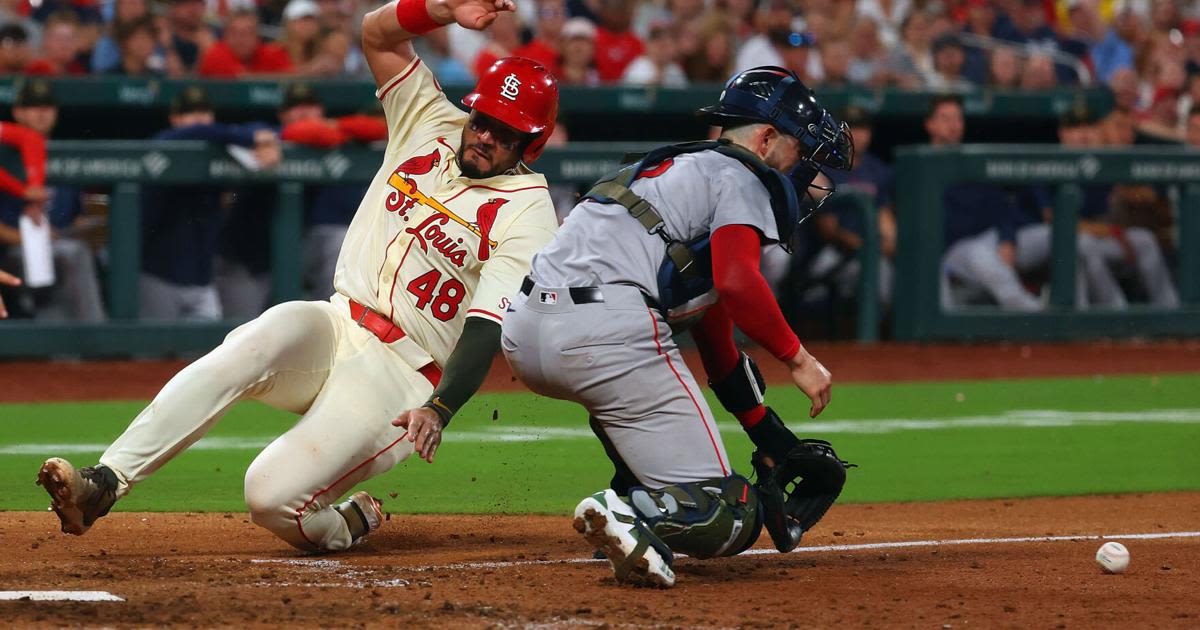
{"x": 488, "y": 313}
{"x": 397, "y": 81}
{"x": 456, "y": 195}
{"x": 391, "y": 303}
{"x": 708, "y": 429}
{"x": 300, "y": 512}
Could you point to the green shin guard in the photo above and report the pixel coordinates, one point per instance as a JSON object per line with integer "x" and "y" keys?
{"x": 704, "y": 519}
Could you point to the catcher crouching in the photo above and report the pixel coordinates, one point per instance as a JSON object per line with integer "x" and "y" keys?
{"x": 672, "y": 242}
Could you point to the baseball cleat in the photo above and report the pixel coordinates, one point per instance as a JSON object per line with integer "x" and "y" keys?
{"x": 79, "y": 497}
{"x": 363, "y": 514}
{"x": 609, "y": 525}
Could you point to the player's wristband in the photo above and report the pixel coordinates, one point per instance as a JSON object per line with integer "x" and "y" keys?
{"x": 443, "y": 411}
{"x": 414, "y": 17}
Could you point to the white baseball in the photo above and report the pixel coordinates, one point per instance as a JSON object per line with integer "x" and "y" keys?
{"x": 1112, "y": 557}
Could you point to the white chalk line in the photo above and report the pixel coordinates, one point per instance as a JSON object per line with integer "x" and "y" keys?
{"x": 829, "y": 548}
{"x": 60, "y": 596}
{"x": 1029, "y": 418}
{"x": 352, "y": 576}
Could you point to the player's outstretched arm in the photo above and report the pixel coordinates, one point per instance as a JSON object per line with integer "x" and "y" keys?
{"x": 736, "y": 250}
{"x": 12, "y": 281}
{"x": 387, "y": 31}
{"x": 465, "y": 372}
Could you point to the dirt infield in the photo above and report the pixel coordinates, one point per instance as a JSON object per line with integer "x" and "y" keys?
{"x": 520, "y": 571}
{"x": 849, "y": 363}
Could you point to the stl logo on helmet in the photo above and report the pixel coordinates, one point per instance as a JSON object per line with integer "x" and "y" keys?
{"x": 511, "y": 87}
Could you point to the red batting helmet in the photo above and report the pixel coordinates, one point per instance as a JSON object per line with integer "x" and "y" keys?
{"x": 522, "y": 94}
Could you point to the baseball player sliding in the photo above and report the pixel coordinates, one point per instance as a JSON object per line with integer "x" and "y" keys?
{"x": 434, "y": 256}
{"x": 670, "y": 241}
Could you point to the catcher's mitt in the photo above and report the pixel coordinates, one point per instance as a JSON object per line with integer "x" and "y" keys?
{"x": 796, "y": 490}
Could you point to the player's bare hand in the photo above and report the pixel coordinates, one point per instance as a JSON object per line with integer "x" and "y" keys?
{"x": 477, "y": 14}
{"x": 424, "y": 430}
{"x": 12, "y": 281}
{"x": 813, "y": 379}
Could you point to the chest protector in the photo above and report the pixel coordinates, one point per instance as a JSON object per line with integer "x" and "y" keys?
{"x": 685, "y": 277}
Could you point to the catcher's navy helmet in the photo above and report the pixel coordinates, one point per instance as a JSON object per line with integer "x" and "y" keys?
{"x": 776, "y": 96}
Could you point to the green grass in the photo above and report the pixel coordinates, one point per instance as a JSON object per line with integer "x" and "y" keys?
{"x": 548, "y": 475}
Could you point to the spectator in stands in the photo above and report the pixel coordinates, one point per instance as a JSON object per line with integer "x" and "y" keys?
{"x": 60, "y": 47}
{"x": 711, "y": 60}
{"x": 434, "y": 49}
{"x": 189, "y": 36}
{"x": 786, "y": 48}
{"x": 137, "y": 40}
{"x": 1123, "y": 84}
{"x": 1116, "y": 51}
{"x": 1004, "y": 68}
{"x": 835, "y": 63}
{"x": 888, "y": 15}
{"x": 579, "y": 49}
{"x": 948, "y": 60}
{"x": 302, "y": 37}
{"x": 504, "y": 36}
{"x": 910, "y": 61}
{"x": 107, "y": 54}
{"x": 14, "y": 49}
{"x": 1038, "y": 73}
{"x": 1027, "y": 25}
{"x": 659, "y": 65}
{"x": 867, "y": 54}
{"x": 980, "y": 227}
{"x": 241, "y": 51}
{"x": 181, "y": 224}
{"x": 76, "y": 291}
{"x": 839, "y": 226}
{"x": 739, "y": 13}
{"x": 546, "y": 45}
{"x": 616, "y": 43}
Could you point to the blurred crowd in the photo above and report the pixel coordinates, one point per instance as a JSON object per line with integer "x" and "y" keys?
{"x": 1148, "y": 47}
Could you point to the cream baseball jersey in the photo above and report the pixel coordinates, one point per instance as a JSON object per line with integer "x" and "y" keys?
{"x": 429, "y": 247}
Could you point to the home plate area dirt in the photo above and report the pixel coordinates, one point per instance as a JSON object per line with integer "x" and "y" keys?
{"x": 533, "y": 571}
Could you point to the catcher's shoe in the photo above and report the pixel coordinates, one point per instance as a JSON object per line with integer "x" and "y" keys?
{"x": 637, "y": 555}
{"x": 363, "y": 514}
{"x": 78, "y": 496}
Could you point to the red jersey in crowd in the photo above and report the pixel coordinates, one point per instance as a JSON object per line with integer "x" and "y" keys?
{"x": 541, "y": 52}
{"x": 219, "y": 61}
{"x": 614, "y": 52}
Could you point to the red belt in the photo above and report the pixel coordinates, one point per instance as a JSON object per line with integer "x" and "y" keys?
{"x": 389, "y": 332}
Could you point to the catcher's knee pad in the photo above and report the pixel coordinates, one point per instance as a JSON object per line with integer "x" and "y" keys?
{"x": 703, "y": 519}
